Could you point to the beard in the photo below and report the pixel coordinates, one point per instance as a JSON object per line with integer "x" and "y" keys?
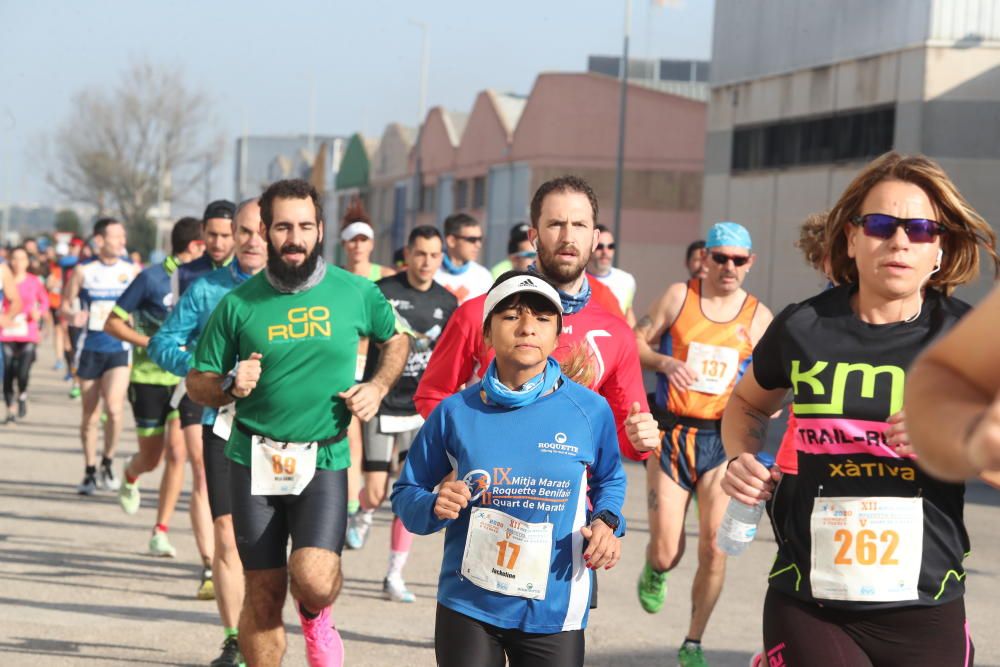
{"x": 288, "y": 274}
{"x": 557, "y": 271}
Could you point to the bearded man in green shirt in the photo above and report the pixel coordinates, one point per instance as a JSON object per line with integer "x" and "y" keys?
{"x": 284, "y": 344}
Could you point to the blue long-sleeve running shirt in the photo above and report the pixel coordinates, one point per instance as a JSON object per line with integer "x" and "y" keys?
{"x": 531, "y": 463}
{"x": 172, "y": 348}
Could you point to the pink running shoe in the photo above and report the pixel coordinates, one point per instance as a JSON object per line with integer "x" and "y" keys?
{"x": 324, "y": 647}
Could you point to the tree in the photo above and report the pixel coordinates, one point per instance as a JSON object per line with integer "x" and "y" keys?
{"x": 68, "y": 221}
{"x": 122, "y": 148}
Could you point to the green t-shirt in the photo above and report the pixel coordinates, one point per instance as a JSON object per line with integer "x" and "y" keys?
{"x": 309, "y": 347}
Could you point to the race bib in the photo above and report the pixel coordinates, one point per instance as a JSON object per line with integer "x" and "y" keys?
{"x": 716, "y": 367}
{"x": 100, "y": 311}
{"x": 393, "y": 424}
{"x": 506, "y": 555}
{"x": 866, "y": 549}
{"x": 280, "y": 468}
{"x": 18, "y": 328}
{"x": 178, "y": 394}
{"x": 224, "y": 421}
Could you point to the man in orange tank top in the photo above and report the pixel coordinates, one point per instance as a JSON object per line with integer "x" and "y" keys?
{"x": 705, "y": 330}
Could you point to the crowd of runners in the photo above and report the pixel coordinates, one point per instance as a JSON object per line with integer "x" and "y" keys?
{"x": 505, "y": 401}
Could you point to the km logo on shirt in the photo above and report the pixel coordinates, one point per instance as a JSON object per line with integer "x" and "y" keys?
{"x": 302, "y": 323}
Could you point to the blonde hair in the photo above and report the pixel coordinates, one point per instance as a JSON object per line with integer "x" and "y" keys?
{"x": 812, "y": 241}
{"x": 967, "y": 231}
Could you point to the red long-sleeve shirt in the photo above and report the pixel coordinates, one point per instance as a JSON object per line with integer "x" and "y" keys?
{"x": 460, "y": 356}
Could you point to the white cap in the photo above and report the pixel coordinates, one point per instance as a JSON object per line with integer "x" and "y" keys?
{"x": 522, "y": 283}
{"x": 358, "y": 228}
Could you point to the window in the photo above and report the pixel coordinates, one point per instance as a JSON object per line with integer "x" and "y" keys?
{"x": 461, "y": 194}
{"x": 479, "y": 192}
{"x": 427, "y": 199}
{"x": 854, "y": 135}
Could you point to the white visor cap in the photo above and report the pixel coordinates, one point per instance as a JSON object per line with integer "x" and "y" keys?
{"x": 357, "y": 229}
{"x": 522, "y": 283}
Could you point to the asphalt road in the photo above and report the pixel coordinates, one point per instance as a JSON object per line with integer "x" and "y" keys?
{"x": 77, "y": 588}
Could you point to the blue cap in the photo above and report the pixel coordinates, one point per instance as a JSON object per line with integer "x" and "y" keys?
{"x": 765, "y": 459}
{"x": 728, "y": 234}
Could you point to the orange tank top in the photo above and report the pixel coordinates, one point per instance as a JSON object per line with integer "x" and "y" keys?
{"x": 718, "y": 351}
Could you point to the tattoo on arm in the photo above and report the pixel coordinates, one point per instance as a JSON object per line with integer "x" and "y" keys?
{"x": 644, "y": 323}
{"x": 757, "y": 431}
{"x": 651, "y": 500}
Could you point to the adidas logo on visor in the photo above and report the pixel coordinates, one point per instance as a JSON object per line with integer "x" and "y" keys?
{"x": 527, "y": 283}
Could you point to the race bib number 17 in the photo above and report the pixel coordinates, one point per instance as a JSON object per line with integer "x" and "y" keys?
{"x": 507, "y": 555}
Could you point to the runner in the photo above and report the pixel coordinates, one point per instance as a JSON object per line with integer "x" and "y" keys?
{"x": 358, "y": 241}
{"x": 529, "y": 446}
{"x": 172, "y": 349}
{"x": 694, "y": 260}
{"x": 595, "y": 336}
{"x": 102, "y": 362}
{"x": 869, "y": 565}
{"x": 294, "y": 390}
{"x": 460, "y": 273}
{"x": 21, "y": 336}
{"x": 621, "y": 283}
{"x": 706, "y": 329}
{"x": 423, "y": 307}
{"x": 953, "y": 399}
{"x": 146, "y": 303}
{"x": 54, "y": 285}
{"x": 217, "y": 233}
{"x": 520, "y": 251}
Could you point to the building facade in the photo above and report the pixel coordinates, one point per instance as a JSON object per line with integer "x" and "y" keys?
{"x": 804, "y": 94}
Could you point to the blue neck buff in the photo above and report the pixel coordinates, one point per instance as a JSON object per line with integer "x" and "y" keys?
{"x": 497, "y": 392}
{"x": 571, "y": 303}
{"x": 448, "y": 266}
{"x": 234, "y": 268}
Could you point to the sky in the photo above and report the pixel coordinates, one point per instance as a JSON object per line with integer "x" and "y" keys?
{"x": 257, "y": 61}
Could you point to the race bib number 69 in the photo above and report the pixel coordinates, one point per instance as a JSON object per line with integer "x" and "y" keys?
{"x": 866, "y": 549}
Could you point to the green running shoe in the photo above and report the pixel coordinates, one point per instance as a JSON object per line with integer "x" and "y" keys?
{"x": 159, "y": 545}
{"x": 691, "y": 656}
{"x": 74, "y": 392}
{"x": 652, "y": 589}
{"x": 128, "y": 497}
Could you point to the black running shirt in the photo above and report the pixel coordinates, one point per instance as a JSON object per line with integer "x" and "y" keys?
{"x": 847, "y": 377}
{"x": 424, "y": 315}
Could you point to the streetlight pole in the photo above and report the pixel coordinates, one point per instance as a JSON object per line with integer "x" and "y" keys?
{"x": 418, "y": 181}
{"x": 622, "y": 106}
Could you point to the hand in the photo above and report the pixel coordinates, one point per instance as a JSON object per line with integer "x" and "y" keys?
{"x": 748, "y": 481}
{"x": 604, "y": 549}
{"x": 983, "y": 448}
{"x": 642, "y": 430}
{"x": 678, "y": 372}
{"x": 897, "y": 437}
{"x": 247, "y": 375}
{"x": 364, "y": 399}
{"x": 452, "y": 498}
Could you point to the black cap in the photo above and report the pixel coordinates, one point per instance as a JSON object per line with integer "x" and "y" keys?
{"x": 519, "y": 229}
{"x": 220, "y": 208}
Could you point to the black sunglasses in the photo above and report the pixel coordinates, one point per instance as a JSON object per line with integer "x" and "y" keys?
{"x": 722, "y": 258}
{"x": 884, "y": 226}
{"x": 470, "y": 239}
{"x": 605, "y": 246}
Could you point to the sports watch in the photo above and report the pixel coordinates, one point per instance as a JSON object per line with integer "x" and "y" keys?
{"x": 609, "y": 518}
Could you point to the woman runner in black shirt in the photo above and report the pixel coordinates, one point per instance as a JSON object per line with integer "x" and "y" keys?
{"x": 870, "y": 548}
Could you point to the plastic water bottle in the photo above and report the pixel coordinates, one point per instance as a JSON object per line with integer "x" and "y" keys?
{"x": 739, "y": 526}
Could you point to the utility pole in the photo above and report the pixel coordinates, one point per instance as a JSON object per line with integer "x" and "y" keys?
{"x": 418, "y": 180}
{"x": 623, "y": 104}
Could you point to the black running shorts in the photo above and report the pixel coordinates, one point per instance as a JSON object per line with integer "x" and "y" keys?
{"x": 216, "y": 473}
{"x": 317, "y": 517}
{"x": 461, "y": 641}
{"x": 802, "y": 633}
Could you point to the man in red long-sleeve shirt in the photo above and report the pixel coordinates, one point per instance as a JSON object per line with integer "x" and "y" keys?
{"x": 595, "y": 338}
